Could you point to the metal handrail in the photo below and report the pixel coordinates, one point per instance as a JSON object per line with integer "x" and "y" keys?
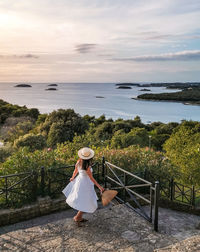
{"x": 129, "y": 173}
{"x": 107, "y": 166}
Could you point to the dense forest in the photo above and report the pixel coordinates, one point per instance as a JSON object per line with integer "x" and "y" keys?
{"x": 32, "y": 140}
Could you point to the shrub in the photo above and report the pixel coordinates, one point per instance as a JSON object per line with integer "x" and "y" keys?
{"x": 34, "y": 142}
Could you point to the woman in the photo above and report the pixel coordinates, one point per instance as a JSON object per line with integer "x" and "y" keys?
{"x": 80, "y": 191}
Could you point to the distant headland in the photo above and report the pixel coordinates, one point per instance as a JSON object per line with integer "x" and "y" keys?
{"x": 189, "y": 96}
{"x": 170, "y": 85}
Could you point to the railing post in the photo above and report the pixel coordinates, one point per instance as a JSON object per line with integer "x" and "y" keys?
{"x": 151, "y": 202}
{"x": 193, "y": 197}
{"x": 98, "y": 171}
{"x": 6, "y": 189}
{"x": 145, "y": 173}
{"x": 103, "y": 167}
{"x": 172, "y": 189}
{"x": 146, "y": 178}
{"x": 42, "y": 186}
{"x": 156, "y": 202}
{"x": 104, "y": 172}
{"x": 35, "y": 185}
{"x": 125, "y": 183}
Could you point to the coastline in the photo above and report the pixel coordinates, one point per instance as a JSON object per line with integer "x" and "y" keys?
{"x": 116, "y": 104}
{"x": 170, "y": 101}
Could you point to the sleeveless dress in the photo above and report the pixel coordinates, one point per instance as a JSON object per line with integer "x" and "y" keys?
{"x": 80, "y": 193}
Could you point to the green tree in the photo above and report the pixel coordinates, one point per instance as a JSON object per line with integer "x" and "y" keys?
{"x": 62, "y": 125}
{"x": 137, "y": 136}
{"x": 183, "y": 149}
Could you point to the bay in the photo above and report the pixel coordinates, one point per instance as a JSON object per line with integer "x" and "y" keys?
{"x": 117, "y": 103}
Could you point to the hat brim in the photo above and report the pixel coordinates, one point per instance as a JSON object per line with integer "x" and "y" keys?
{"x": 84, "y": 157}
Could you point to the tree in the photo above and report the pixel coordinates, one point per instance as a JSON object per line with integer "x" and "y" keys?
{"x": 183, "y": 149}
{"x": 137, "y": 136}
{"x": 62, "y": 125}
{"x": 104, "y": 131}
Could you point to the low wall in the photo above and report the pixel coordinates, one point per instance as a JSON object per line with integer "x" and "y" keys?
{"x": 43, "y": 206}
{"x": 174, "y": 205}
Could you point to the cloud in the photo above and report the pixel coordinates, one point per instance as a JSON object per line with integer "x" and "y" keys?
{"x": 178, "y": 56}
{"x": 85, "y": 48}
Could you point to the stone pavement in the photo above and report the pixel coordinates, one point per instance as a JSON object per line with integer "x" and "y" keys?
{"x": 115, "y": 228}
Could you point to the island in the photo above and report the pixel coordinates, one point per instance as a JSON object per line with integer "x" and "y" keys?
{"x": 23, "y": 85}
{"x": 53, "y": 85}
{"x": 188, "y": 96}
{"x": 128, "y": 84}
{"x": 145, "y": 89}
{"x": 98, "y": 96}
{"x": 124, "y": 87}
{"x": 51, "y": 89}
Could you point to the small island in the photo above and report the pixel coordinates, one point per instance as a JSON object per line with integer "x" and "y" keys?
{"x": 98, "y": 96}
{"x": 23, "y": 85}
{"x": 51, "y": 89}
{"x": 189, "y": 96}
{"x": 124, "y": 87}
{"x": 128, "y": 84}
{"x": 53, "y": 85}
{"x": 145, "y": 89}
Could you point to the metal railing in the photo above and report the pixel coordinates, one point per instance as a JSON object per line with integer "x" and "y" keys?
{"x": 134, "y": 190}
{"x": 18, "y": 187}
{"x": 22, "y": 188}
{"x": 175, "y": 191}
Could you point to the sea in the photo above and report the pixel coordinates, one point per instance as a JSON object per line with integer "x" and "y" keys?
{"x": 96, "y": 99}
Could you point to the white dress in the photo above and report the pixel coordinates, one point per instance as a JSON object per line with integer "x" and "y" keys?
{"x": 80, "y": 193}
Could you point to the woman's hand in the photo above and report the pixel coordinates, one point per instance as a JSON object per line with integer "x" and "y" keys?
{"x": 101, "y": 189}
{"x": 71, "y": 179}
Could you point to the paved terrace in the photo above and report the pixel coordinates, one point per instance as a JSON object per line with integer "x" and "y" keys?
{"x": 114, "y": 228}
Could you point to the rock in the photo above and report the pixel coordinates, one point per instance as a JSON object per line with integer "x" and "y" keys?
{"x": 51, "y": 89}
{"x": 131, "y": 236}
{"x": 23, "y": 85}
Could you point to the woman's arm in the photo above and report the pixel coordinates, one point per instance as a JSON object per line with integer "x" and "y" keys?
{"x": 75, "y": 172}
{"x": 89, "y": 173}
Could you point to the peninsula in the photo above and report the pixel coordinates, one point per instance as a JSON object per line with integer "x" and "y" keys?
{"x": 187, "y": 96}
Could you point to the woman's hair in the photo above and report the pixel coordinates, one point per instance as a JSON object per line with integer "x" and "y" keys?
{"x": 85, "y": 163}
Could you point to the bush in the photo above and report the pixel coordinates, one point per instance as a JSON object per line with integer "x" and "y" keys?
{"x": 34, "y": 142}
{"x": 136, "y": 160}
{"x": 15, "y": 127}
{"x": 5, "y": 152}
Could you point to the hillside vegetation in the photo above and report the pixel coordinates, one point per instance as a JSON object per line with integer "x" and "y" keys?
{"x": 32, "y": 140}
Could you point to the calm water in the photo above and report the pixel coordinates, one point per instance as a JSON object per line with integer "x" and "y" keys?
{"x": 116, "y": 104}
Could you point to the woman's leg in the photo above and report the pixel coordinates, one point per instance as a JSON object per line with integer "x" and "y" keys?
{"x": 78, "y": 217}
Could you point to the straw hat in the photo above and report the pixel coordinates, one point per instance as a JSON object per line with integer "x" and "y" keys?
{"x": 86, "y": 153}
{"x": 107, "y": 196}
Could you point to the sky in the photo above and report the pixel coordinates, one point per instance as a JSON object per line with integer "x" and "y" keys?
{"x": 99, "y": 40}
